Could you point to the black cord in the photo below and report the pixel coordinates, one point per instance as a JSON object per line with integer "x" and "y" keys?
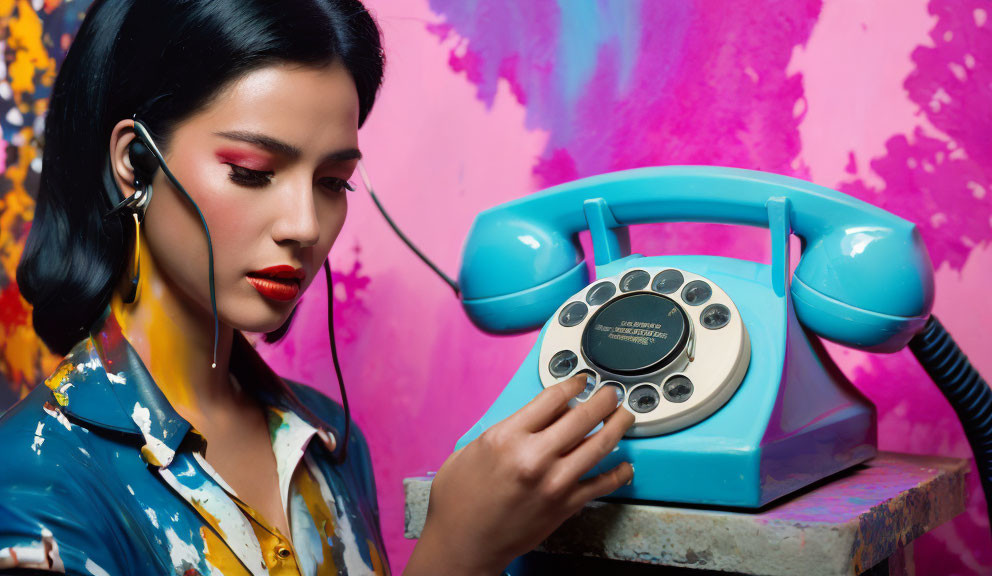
{"x": 964, "y": 388}
{"x": 368, "y": 186}
{"x": 334, "y": 358}
{"x": 147, "y": 137}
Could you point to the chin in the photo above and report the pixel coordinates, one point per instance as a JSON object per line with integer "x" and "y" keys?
{"x": 260, "y": 319}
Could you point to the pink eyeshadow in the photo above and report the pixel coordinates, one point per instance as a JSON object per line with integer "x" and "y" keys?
{"x": 243, "y": 158}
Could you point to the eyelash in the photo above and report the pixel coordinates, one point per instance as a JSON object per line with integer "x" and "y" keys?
{"x": 258, "y": 178}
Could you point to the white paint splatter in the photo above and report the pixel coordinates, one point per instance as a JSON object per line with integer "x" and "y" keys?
{"x": 189, "y": 471}
{"x": 95, "y": 568}
{"x": 151, "y": 515}
{"x": 27, "y": 555}
{"x": 980, "y": 17}
{"x": 38, "y": 439}
{"x": 142, "y": 417}
{"x": 14, "y": 117}
{"x": 161, "y": 452}
{"x": 116, "y": 378}
{"x": 83, "y": 450}
{"x": 240, "y": 537}
{"x": 59, "y": 416}
{"x": 131, "y": 490}
{"x": 181, "y": 552}
{"x": 92, "y": 364}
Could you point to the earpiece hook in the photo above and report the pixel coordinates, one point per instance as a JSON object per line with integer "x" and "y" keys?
{"x": 138, "y": 203}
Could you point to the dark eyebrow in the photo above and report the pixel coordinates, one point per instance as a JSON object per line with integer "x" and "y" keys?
{"x": 280, "y": 147}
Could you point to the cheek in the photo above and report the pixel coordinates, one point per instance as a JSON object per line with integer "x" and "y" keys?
{"x": 177, "y": 232}
{"x": 173, "y": 232}
{"x": 331, "y": 217}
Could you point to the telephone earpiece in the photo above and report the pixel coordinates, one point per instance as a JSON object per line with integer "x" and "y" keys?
{"x": 143, "y": 162}
{"x": 864, "y": 279}
{"x": 517, "y": 271}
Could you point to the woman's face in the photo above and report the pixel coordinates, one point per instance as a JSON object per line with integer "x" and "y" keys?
{"x": 267, "y": 163}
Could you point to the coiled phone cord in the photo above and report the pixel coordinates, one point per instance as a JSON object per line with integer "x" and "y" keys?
{"x": 964, "y": 388}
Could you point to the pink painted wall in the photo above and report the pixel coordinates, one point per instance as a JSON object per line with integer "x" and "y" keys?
{"x": 890, "y": 101}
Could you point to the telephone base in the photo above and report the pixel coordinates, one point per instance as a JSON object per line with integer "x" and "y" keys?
{"x": 794, "y": 420}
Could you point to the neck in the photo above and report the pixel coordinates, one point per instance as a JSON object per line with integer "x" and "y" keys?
{"x": 175, "y": 339}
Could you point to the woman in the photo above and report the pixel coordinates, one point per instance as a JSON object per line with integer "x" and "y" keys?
{"x": 196, "y": 165}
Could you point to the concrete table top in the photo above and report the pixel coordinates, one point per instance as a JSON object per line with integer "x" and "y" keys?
{"x": 843, "y": 526}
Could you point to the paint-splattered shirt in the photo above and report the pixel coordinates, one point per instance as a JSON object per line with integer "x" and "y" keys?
{"x": 100, "y": 475}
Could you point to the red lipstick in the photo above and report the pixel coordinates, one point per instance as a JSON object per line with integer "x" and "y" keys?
{"x": 280, "y": 283}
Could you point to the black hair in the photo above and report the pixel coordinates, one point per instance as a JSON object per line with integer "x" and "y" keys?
{"x": 163, "y": 60}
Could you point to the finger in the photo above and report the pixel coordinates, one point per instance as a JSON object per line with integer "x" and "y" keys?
{"x": 547, "y": 406}
{"x": 595, "y": 447}
{"x": 570, "y": 429}
{"x": 601, "y": 485}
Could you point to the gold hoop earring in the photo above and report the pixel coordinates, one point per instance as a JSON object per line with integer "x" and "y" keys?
{"x": 134, "y": 273}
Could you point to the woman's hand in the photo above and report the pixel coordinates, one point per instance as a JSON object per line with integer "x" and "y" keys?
{"x": 504, "y": 493}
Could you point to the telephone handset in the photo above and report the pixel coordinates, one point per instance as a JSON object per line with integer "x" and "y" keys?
{"x": 864, "y": 279}
{"x": 735, "y": 401}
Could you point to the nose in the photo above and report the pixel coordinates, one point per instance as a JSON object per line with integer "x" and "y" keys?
{"x": 297, "y": 216}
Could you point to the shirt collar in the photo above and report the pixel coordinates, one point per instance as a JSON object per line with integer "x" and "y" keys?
{"x": 103, "y": 382}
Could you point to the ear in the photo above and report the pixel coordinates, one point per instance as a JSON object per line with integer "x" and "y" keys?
{"x": 120, "y": 162}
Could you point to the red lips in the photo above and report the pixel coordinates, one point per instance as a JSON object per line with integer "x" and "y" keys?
{"x": 280, "y": 283}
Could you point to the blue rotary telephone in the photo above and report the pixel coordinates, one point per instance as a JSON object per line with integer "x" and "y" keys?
{"x": 735, "y": 401}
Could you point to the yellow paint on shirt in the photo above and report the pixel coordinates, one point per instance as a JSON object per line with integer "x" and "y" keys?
{"x": 323, "y": 517}
{"x": 219, "y": 555}
{"x": 56, "y": 380}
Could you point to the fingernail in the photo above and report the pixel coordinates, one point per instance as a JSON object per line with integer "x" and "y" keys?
{"x": 631, "y": 481}
{"x": 620, "y": 395}
{"x": 587, "y": 391}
